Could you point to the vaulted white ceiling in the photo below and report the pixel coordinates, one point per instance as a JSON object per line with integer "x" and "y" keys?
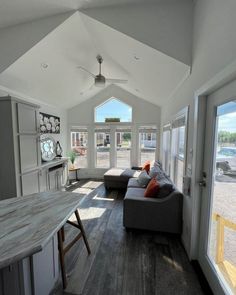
{"x": 152, "y": 74}
{"x": 15, "y": 12}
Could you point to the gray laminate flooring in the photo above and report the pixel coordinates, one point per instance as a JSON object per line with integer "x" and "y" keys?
{"x": 121, "y": 262}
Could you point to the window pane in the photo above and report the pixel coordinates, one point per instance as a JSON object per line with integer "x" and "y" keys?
{"x": 147, "y": 146}
{"x": 79, "y": 142}
{"x": 177, "y": 157}
{"x": 102, "y": 141}
{"x": 222, "y": 235}
{"x": 123, "y": 148}
{"x": 81, "y": 159}
{"x": 166, "y": 151}
{"x": 113, "y": 110}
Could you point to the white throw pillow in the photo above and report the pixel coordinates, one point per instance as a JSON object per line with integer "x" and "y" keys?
{"x": 143, "y": 178}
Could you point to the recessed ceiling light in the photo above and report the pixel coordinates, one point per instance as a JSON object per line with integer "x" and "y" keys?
{"x": 136, "y": 57}
{"x": 44, "y": 65}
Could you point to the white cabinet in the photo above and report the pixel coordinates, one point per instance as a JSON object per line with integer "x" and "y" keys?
{"x": 30, "y": 183}
{"x": 16, "y": 279}
{"x": 29, "y": 152}
{"x": 44, "y": 182}
{"x": 54, "y": 175}
{"x": 46, "y": 268}
{"x": 27, "y": 118}
{"x": 19, "y": 148}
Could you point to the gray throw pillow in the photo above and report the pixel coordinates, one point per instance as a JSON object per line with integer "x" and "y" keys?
{"x": 157, "y": 172}
{"x": 166, "y": 188}
{"x": 154, "y": 171}
{"x": 143, "y": 178}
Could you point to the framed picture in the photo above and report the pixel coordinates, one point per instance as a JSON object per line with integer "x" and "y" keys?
{"x": 49, "y": 123}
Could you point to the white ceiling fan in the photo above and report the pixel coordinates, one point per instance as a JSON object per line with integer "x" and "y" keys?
{"x": 99, "y": 79}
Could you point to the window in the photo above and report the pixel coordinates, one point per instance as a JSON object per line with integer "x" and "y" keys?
{"x": 147, "y": 143}
{"x": 79, "y": 143}
{"x": 166, "y": 149}
{"x": 102, "y": 144}
{"x": 123, "y": 147}
{"x": 113, "y": 110}
{"x": 178, "y": 151}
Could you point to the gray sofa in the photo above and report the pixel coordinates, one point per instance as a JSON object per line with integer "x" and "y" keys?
{"x": 157, "y": 214}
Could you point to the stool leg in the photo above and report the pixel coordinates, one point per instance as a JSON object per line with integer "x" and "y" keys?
{"x": 62, "y": 256}
{"x": 63, "y": 234}
{"x": 82, "y": 231}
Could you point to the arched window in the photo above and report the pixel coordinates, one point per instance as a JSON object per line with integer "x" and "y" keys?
{"x": 113, "y": 110}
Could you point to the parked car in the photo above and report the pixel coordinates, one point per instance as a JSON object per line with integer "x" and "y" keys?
{"x": 226, "y": 161}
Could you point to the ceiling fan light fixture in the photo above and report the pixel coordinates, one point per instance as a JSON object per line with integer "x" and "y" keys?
{"x": 100, "y": 81}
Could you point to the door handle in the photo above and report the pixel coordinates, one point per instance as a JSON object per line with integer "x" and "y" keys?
{"x": 202, "y": 183}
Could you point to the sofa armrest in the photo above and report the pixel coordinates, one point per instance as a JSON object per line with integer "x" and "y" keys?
{"x": 152, "y": 213}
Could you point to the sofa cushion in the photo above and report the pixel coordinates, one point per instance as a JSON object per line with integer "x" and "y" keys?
{"x": 152, "y": 189}
{"x": 143, "y": 178}
{"x": 154, "y": 171}
{"x": 165, "y": 187}
{"x": 120, "y": 174}
{"x": 135, "y": 193}
{"x": 133, "y": 182}
{"x": 160, "y": 174}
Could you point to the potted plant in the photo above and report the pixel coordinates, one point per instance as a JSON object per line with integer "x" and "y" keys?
{"x": 72, "y": 156}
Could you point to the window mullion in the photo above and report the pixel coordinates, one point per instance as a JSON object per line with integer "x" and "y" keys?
{"x": 113, "y": 146}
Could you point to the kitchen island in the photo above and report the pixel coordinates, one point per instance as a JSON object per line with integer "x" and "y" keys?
{"x": 28, "y": 240}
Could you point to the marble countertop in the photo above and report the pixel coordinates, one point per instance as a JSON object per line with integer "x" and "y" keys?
{"x": 28, "y": 223}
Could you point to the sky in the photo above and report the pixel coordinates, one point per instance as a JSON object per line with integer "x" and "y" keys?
{"x": 227, "y": 122}
{"x": 113, "y": 109}
{"x": 227, "y": 117}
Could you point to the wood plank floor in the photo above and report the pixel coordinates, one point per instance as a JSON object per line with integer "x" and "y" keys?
{"x": 121, "y": 262}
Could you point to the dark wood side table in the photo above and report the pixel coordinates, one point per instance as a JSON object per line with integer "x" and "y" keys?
{"x": 74, "y": 169}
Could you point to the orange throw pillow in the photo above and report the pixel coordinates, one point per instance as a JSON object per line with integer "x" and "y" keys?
{"x": 146, "y": 166}
{"x": 152, "y": 189}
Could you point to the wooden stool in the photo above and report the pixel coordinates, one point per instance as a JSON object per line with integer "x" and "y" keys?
{"x": 64, "y": 250}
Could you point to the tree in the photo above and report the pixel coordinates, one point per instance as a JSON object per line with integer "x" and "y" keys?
{"x": 127, "y": 136}
{"x": 226, "y": 137}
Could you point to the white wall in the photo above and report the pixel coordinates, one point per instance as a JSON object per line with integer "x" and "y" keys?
{"x": 83, "y": 115}
{"x": 214, "y": 47}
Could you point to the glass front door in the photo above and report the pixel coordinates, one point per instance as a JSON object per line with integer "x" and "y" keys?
{"x": 222, "y": 235}
{"x": 217, "y": 242}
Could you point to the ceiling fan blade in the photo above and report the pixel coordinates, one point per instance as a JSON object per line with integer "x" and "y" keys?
{"x": 118, "y": 81}
{"x": 87, "y": 71}
{"x": 86, "y": 90}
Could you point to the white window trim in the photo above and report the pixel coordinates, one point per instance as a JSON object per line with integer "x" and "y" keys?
{"x": 98, "y": 129}
{"x": 119, "y": 129}
{"x": 143, "y": 129}
{"x": 80, "y": 129}
{"x": 167, "y": 127}
{"x": 183, "y": 113}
